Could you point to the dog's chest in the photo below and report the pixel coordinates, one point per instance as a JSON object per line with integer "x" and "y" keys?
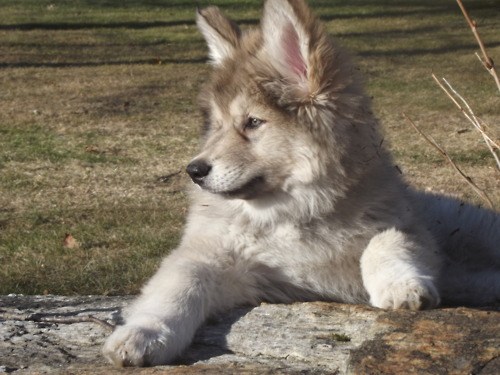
{"x": 253, "y": 243}
{"x": 317, "y": 260}
{"x": 296, "y": 250}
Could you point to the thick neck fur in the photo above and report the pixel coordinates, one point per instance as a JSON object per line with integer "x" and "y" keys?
{"x": 344, "y": 143}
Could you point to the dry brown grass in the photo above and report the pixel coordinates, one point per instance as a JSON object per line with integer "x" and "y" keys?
{"x": 84, "y": 153}
{"x": 92, "y": 117}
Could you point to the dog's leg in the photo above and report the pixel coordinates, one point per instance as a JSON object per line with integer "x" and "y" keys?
{"x": 399, "y": 270}
{"x": 161, "y": 323}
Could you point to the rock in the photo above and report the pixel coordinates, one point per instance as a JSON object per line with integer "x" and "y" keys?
{"x": 308, "y": 338}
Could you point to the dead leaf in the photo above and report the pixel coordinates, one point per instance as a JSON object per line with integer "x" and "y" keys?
{"x": 70, "y": 242}
{"x": 93, "y": 149}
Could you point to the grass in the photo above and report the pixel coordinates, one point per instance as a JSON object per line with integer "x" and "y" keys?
{"x": 97, "y": 105}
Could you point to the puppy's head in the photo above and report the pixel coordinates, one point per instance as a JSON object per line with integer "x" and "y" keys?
{"x": 275, "y": 108}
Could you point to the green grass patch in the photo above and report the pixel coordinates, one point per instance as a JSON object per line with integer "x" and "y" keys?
{"x": 480, "y": 157}
{"x": 110, "y": 245}
{"x": 29, "y": 143}
{"x": 36, "y": 143}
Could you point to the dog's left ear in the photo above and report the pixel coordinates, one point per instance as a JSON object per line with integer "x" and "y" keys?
{"x": 221, "y": 34}
{"x": 290, "y": 34}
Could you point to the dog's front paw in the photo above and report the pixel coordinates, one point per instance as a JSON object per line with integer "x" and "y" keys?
{"x": 413, "y": 294}
{"x": 135, "y": 345}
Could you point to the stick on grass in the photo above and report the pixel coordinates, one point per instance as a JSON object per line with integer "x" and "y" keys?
{"x": 470, "y": 115}
{"x": 434, "y": 144}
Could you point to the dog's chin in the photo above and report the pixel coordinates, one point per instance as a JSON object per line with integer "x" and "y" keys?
{"x": 253, "y": 189}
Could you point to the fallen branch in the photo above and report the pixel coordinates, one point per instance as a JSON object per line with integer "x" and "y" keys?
{"x": 41, "y": 318}
{"x": 434, "y": 144}
{"x": 487, "y": 61}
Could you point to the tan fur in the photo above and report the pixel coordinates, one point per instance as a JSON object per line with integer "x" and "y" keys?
{"x": 296, "y": 198}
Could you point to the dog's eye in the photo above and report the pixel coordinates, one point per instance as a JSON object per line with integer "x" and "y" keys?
{"x": 253, "y": 123}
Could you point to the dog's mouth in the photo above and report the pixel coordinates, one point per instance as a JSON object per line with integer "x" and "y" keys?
{"x": 250, "y": 190}
{"x": 201, "y": 173}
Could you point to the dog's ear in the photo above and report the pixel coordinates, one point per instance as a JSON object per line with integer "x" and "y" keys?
{"x": 221, "y": 34}
{"x": 289, "y": 32}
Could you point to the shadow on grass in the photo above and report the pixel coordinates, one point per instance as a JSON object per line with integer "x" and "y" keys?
{"x": 395, "y": 13}
{"x": 110, "y": 25}
{"x": 424, "y": 51}
{"x": 80, "y": 64}
{"x": 203, "y": 60}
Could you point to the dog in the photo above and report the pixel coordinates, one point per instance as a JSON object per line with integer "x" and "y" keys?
{"x": 296, "y": 199}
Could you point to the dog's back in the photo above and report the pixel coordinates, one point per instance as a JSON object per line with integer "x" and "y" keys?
{"x": 469, "y": 239}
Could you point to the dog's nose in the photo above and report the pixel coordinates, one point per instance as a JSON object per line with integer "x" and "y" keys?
{"x": 198, "y": 170}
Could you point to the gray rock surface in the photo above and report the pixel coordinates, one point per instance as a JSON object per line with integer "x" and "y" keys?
{"x": 299, "y": 338}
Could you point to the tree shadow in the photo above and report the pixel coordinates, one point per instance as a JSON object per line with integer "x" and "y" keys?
{"x": 82, "y": 64}
{"x": 431, "y": 9}
{"x": 424, "y": 51}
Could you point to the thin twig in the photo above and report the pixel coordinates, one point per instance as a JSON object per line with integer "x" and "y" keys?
{"x": 469, "y": 114}
{"x": 434, "y": 144}
{"x": 452, "y": 98}
{"x": 495, "y": 77}
{"x": 486, "y": 60}
{"x": 57, "y": 319}
{"x": 490, "y": 143}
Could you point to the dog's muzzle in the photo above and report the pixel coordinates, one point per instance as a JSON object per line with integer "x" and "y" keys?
{"x": 198, "y": 170}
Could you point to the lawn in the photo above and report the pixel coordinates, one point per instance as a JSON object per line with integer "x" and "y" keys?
{"x": 98, "y": 119}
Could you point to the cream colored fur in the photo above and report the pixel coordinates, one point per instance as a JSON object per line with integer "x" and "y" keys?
{"x": 306, "y": 204}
